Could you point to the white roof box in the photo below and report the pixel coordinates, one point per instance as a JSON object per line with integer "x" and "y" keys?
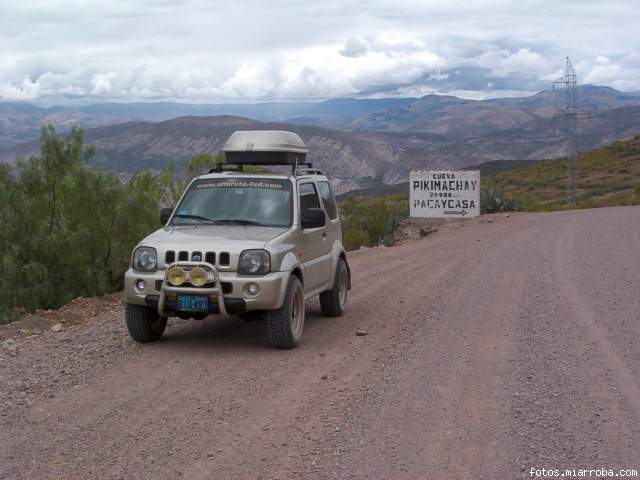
{"x": 265, "y": 147}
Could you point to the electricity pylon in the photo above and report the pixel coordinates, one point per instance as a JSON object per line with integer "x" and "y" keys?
{"x": 569, "y": 85}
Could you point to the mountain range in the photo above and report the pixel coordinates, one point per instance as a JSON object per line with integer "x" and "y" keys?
{"x": 22, "y": 121}
{"x": 359, "y": 143}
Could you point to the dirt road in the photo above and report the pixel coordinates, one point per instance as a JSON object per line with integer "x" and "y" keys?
{"x": 491, "y": 349}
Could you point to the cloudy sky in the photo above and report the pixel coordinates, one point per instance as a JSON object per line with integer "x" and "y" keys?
{"x": 87, "y": 51}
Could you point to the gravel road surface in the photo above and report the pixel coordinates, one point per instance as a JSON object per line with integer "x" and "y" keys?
{"x": 496, "y": 346}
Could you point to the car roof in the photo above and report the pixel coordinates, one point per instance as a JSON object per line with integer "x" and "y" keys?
{"x": 280, "y": 176}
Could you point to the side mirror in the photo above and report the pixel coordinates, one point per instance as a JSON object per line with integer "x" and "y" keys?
{"x": 313, "y": 218}
{"x": 165, "y": 215}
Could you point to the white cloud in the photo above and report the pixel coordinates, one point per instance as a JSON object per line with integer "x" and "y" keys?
{"x": 210, "y": 51}
{"x": 354, "y": 47}
{"x": 102, "y": 83}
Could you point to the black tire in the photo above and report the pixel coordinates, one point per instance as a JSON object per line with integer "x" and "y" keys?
{"x": 333, "y": 302}
{"x": 285, "y": 325}
{"x": 144, "y": 324}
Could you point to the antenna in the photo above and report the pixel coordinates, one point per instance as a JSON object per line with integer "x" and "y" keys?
{"x": 569, "y": 85}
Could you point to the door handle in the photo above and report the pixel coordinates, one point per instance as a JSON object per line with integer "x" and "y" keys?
{"x": 324, "y": 235}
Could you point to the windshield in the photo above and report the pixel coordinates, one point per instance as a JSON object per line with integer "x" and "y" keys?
{"x": 236, "y": 201}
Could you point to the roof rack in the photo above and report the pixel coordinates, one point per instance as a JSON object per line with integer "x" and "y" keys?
{"x": 227, "y": 167}
{"x": 308, "y": 171}
{"x": 296, "y": 171}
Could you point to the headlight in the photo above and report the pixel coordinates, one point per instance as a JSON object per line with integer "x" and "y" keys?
{"x": 176, "y": 276}
{"x": 145, "y": 259}
{"x": 198, "y": 277}
{"x": 254, "y": 262}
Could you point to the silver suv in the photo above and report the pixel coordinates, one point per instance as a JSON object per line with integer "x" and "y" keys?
{"x": 243, "y": 243}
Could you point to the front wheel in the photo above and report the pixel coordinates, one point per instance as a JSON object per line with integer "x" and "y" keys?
{"x": 334, "y": 301}
{"x": 285, "y": 325}
{"x": 144, "y": 324}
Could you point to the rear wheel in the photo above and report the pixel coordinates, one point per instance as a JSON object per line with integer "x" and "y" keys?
{"x": 334, "y": 301}
{"x": 144, "y": 323}
{"x": 285, "y": 325}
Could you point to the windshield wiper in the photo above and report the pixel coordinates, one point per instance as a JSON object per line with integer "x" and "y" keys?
{"x": 197, "y": 217}
{"x": 239, "y": 221}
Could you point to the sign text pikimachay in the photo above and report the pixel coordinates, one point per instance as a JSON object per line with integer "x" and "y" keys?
{"x": 445, "y": 193}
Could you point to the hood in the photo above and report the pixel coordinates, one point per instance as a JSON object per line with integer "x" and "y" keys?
{"x": 229, "y": 237}
{"x": 219, "y": 239}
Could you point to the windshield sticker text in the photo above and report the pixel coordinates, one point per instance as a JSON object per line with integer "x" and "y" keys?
{"x": 241, "y": 184}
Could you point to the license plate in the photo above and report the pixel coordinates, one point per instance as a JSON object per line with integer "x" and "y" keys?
{"x": 193, "y": 303}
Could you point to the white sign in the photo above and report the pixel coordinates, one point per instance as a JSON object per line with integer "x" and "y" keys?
{"x": 445, "y": 193}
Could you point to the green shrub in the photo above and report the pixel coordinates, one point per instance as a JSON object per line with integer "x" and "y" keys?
{"x": 492, "y": 200}
{"x": 68, "y": 230}
{"x": 355, "y": 238}
{"x": 378, "y": 217}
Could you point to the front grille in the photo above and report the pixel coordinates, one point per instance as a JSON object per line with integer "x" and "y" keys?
{"x": 224, "y": 258}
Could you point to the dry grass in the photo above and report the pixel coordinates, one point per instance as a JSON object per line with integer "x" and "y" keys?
{"x": 607, "y": 177}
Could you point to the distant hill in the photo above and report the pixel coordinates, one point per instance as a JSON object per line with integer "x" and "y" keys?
{"x": 22, "y": 121}
{"x": 455, "y": 116}
{"x": 354, "y": 159}
{"x": 438, "y": 114}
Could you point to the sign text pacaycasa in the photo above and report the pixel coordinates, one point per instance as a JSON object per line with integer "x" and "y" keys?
{"x": 445, "y": 193}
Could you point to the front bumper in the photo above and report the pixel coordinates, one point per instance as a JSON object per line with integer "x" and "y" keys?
{"x": 230, "y": 290}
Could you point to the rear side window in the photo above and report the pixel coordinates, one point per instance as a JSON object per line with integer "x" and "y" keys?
{"x": 308, "y": 197}
{"x": 328, "y": 200}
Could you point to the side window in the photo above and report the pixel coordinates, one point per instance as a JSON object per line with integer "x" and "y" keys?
{"x": 328, "y": 200}
{"x": 308, "y": 197}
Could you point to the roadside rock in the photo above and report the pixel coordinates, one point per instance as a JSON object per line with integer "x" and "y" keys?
{"x": 11, "y": 347}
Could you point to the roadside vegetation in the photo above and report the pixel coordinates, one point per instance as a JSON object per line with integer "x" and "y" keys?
{"x": 607, "y": 177}
{"x": 68, "y": 229}
{"x": 371, "y": 221}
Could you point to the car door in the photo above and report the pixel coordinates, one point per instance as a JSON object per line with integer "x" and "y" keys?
{"x": 334, "y": 233}
{"x": 315, "y": 251}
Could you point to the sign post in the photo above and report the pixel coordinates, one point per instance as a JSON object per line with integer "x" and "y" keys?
{"x": 445, "y": 193}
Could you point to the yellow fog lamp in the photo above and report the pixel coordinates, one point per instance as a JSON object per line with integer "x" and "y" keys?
{"x": 176, "y": 276}
{"x": 198, "y": 277}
